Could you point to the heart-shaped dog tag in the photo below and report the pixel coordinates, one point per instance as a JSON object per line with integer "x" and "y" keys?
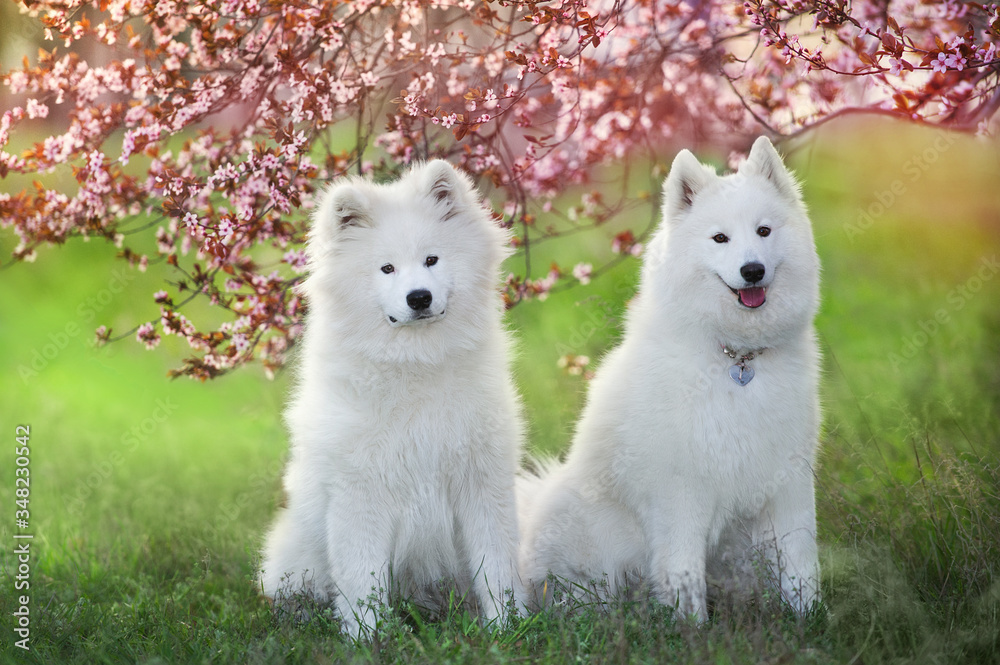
{"x": 741, "y": 374}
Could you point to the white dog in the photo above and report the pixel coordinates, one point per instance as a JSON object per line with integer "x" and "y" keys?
{"x": 700, "y": 432}
{"x": 405, "y": 425}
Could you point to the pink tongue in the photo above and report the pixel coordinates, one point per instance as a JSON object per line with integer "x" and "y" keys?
{"x": 753, "y": 297}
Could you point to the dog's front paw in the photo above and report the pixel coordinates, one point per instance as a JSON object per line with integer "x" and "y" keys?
{"x": 685, "y": 595}
{"x": 360, "y": 621}
{"x": 504, "y": 610}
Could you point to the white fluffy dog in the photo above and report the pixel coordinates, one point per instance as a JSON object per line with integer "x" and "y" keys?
{"x": 695, "y": 452}
{"x": 405, "y": 424}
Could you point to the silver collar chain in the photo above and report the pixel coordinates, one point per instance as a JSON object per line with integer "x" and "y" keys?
{"x": 739, "y": 371}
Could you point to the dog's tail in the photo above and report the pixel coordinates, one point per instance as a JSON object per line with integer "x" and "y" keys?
{"x": 529, "y": 481}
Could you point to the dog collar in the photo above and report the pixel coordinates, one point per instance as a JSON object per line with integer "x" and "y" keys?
{"x": 739, "y": 371}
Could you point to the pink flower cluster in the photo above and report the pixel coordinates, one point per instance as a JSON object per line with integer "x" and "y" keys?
{"x": 197, "y": 133}
{"x": 930, "y": 62}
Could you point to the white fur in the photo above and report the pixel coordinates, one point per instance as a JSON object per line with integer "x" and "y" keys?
{"x": 676, "y": 473}
{"x": 405, "y": 434}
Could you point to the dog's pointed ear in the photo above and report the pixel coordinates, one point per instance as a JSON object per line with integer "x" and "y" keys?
{"x": 448, "y": 189}
{"x": 348, "y": 207}
{"x": 343, "y": 206}
{"x": 686, "y": 179}
{"x": 765, "y": 161}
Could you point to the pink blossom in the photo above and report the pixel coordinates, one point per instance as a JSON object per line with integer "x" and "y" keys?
{"x": 36, "y": 109}
{"x": 222, "y": 106}
{"x": 147, "y": 335}
{"x": 954, "y": 61}
{"x": 241, "y": 343}
{"x": 405, "y": 45}
{"x": 574, "y": 365}
{"x": 296, "y": 259}
{"x": 128, "y": 146}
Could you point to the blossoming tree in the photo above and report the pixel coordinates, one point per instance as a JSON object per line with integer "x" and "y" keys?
{"x": 198, "y": 133}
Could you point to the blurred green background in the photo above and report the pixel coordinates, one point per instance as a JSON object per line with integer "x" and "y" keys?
{"x": 149, "y": 497}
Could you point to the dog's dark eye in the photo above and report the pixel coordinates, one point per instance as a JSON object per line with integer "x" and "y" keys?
{"x": 763, "y": 231}
{"x": 388, "y": 269}
{"x": 720, "y": 238}
{"x": 430, "y": 260}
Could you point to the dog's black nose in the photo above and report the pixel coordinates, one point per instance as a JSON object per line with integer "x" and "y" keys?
{"x": 753, "y": 272}
{"x": 419, "y": 299}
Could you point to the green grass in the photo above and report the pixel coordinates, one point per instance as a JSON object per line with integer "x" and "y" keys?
{"x": 149, "y": 497}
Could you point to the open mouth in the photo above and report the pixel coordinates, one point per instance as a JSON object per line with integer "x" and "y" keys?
{"x": 751, "y": 297}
